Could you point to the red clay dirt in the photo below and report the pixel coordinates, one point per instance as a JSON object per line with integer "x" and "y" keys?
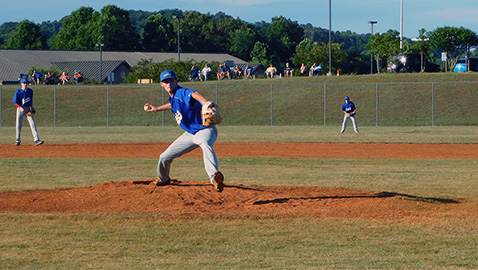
{"x": 198, "y": 198}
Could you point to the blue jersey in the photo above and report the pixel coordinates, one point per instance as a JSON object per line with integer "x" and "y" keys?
{"x": 23, "y": 98}
{"x": 187, "y": 110}
{"x": 348, "y": 107}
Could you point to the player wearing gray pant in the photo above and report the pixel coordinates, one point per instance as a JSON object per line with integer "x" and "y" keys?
{"x": 23, "y": 100}
{"x": 186, "y": 104}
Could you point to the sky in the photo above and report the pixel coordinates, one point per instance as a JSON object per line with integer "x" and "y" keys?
{"x": 352, "y": 15}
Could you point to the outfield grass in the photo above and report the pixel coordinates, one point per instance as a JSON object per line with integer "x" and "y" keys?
{"x": 442, "y": 134}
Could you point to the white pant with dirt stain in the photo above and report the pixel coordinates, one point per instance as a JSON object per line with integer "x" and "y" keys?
{"x": 185, "y": 144}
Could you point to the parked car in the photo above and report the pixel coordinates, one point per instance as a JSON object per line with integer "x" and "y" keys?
{"x": 462, "y": 64}
{"x": 411, "y": 62}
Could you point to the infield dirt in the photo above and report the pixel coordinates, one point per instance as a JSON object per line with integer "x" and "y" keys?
{"x": 198, "y": 198}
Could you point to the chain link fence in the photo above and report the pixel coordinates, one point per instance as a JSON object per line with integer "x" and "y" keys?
{"x": 264, "y": 104}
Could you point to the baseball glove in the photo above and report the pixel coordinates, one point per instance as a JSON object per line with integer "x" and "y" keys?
{"x": 31, "y": 112}
{"x": 210, "y": 114}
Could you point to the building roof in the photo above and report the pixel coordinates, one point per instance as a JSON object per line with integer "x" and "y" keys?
{"x": 16, "y": 62}
{"x": 92, "y": 69}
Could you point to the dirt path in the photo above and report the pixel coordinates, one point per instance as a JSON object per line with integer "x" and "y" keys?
{"x": 198, "y": 198}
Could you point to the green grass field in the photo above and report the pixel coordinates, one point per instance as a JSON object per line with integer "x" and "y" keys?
{"x": 165, "y": 241}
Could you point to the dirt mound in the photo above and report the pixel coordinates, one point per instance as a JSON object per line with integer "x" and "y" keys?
{"x": 199, "y": 199}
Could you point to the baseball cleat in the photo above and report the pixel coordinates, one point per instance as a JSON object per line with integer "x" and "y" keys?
{"x": 218, "y": 179}
{"x": 158, "y": 183}
{"x": 17, "y": 143}
{"x": 37, "y": 143}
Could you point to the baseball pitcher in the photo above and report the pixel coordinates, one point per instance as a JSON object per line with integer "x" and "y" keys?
{"x": 197, "y": 117}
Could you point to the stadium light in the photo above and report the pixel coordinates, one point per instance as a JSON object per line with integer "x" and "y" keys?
{"x": 371, "y": 53}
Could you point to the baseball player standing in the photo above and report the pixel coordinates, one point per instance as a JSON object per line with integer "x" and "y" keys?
{"x": 187, "y": 104}
{"x": 23, "y": 99}
{"x": 348, "y": 107}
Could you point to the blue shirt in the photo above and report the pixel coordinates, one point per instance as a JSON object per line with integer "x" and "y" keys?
{"x": 187, "y": 110}
{"x": 23, "y": 98}
{"x": 348, "y": 107}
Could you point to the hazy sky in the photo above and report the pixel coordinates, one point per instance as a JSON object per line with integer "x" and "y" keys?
{"x": 350, "y": 15}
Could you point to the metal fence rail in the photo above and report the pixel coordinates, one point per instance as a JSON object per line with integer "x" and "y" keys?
{"x": 378, "y": 104}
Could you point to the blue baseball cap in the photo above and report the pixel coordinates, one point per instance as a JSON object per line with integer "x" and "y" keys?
{"x": 24, "y": 80}
{"x": 168, "y": 74}
{"x": 346, "y": 98}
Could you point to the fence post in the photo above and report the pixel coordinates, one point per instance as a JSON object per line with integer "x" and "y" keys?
{"x": 162, "y": 102}
{"x": 433, "y": 104}
{"x": 325, "y": 104}
{"x": 272, "y": 105}
{"x": 1, "y": 108}
{"x": 107, "y": 105}
{"x": 377, "y": 106}
{"x": 54, "y": 106}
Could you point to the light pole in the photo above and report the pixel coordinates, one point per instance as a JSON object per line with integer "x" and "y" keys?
{"x": 101, "y": 60}
{"x": 330, "y": 38}
{"x": 179, "y": 17}
{"x": 371, "y": 53}
{"x": 401, "y": 24}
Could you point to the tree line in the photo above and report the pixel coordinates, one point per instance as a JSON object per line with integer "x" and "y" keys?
{"x": 277, "y": 42}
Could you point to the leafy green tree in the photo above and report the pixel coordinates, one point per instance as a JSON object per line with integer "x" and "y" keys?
{"x": 384, "y": 46}
{"x": 27, "y": 36}
{"x": 115, "y": 30}
{"x": 282, "y": 36}
{"x": 78, "y": 30}
{"x": 259, "y": 53}
{"x": 422, "y": 46}
{"x": 198, "y": 33}
{"x": 454, "y": 41}
{"x": 158, "y": 34}
{"x": 242, "y": 40}
{"x": 308, "y": 52}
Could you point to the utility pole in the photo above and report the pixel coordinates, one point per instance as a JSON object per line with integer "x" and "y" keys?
{"x": 179, "y": 42}
{"x": 371, "y": 54}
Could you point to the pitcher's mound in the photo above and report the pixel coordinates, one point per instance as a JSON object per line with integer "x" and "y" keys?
{"x": 195, "y": 198}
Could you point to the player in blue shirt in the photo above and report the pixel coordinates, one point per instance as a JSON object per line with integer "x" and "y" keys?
{"x": 23, "y": 99}
{"x": 348, "y": 107}
{"x": 186, "y": 105}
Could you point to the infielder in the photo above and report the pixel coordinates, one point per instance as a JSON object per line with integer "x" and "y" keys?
{"x": 348, "y": 107}
{"x": 189, "y": 108}
{"x": 23, "y": 99}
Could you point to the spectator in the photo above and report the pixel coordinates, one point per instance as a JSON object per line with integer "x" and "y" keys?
{"x": 64, "y": 78}
{"x": 315, "y": 69}
{"x": 226, "y": 71}
{"x": 249, "y": 72}
{"x": 303, "y": 69}
{"x": 238, "y": 72}
{"x": 49, "y": 78}
{"x": 288, "y": 70}
{"x": 271, "y": 71}
{"x": 194, "y": 73}
{"x": 36, "y": 77}
{"x": 206, "y": 72}
{"x": 220, "y": 73}
{"x": 79, "y": 77}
